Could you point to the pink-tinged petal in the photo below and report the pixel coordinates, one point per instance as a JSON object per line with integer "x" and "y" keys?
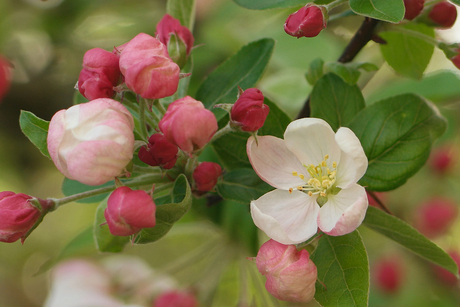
{"x": 288, "y": 218}
{"x": 351, "y": 145}
{"x": 274, "y": 162}
{"x": 346, "y": 172}
{"x": 344, "y": 212}
{"x": 310, "y": 139}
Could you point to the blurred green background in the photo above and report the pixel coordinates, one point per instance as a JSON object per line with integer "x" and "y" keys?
{"x": 46, "y": 41}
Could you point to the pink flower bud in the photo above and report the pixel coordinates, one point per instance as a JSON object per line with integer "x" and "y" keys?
{"x": 249, "y": 111}
{"x": 436, "y": 216}
{"x": 99, "y": 75}
{"x": 129, "y": 211}
{"x": 442, "y": 159}
{"x": 188, "y": 124}
{"x": 291, "y": 275}
{"x": 168, "y": 26}
{"x": 413, "y": 8}
{"x": 92, "y": 142}
{"x": 389, "y": 274}
{"x": 306, "y": 22}
{"x": 175, "y": 299}
{"x": 159, "y": 152}
{"x": 5, "y": 76}
{"x": 445, "y": 276}
{"x": 147, "y": 68}
{"x": 206, "y": 175}
{"x": 17, "y": 215}
{"x": 443, "y": 14}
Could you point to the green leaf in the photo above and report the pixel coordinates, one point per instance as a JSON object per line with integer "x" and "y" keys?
{"x": 335, "y": 101}
{"x": 404, "y": 234}
{"x": 70, "y": 187}
{"x": 231, "y": 148}
{"x": 406, "y": 54}
{"x": 269, "y": 4}
{"x": 242, "y": 185}
{"x": 78, "y": 98}
{"x": 457, "y": 2}
{"x": 168, "y": 214}
{"x": 183, "y": 10}
{"x": 386, "y": 10}
{"x": 396, "y": 134}
{"x": 81, "y": 245}
{"x": 242, "y": 69}
{"x": 315, "y": 71}
{"x": 105, "y": 241}
{"x": 343, "y": 271}
{"x": 36, "y": 130}
{"x": 349, "y": 72}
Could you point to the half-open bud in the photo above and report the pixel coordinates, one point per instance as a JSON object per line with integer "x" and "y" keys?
{"x": 249, "y": 111}
{"x": 159, "y": 152}
{"x": 291, "y": 275}
{"x": 306, "y": 22}
{"x": 206, "y": 176}
{"x": 128, "y": 211}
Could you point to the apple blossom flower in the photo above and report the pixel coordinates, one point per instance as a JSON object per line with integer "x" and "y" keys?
{"x": 291, "y": 275}
{"x": 306, "y": 22}
{"x": 92, "y": 142}
{"x": 99, "y": 75}
{"x": 188, "y": 124}
{"x": 249, "y": 111}
{"x": 147, "y": 67}
{"x": 315, "y": 172}
{"x": 206, "y": 175}
{"x": 128, "y": 211}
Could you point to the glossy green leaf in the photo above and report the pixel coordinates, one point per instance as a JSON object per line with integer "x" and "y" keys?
{"x": 36, "y": 130}
{"x": 396, "y": 134}
{"x": 242, "y": 185}
{"x": 335, "y": 101}
{"x": 231, "y": 148}
{"x": 168, "y": 214}
{"x": 183, "y": 10}
{"x": 401, "y": 232}
{"x": 386, "y": 10}
{"x": 269, "y": 4}
{"x": 105, "y": 241}
{"x": 70, "y": 187}
{"x": 343, "y": 271}
{"x": 315, "y": 71}
{"x": 243, "y": 69}
{"x": 406, "y": 54}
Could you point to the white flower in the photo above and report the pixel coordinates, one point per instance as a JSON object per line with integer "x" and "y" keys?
{"x": 314, "y": 171}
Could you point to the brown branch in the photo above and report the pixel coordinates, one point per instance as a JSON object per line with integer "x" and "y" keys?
{"x": 364, "y": 34}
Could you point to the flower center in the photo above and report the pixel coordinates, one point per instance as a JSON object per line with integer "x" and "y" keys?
{"x": 321, "y": 180}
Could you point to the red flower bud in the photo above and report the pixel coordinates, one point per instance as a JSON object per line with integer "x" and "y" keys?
{"x": 128, "y": 211}
{"x": 389, "y": 274}
{"x": 188, "y": 124}
{"x": 168, "y": 26}
{"x": 5, "y": 76}
{"x": 456, "y": 60}
{"x": 291, "y": 275}
{"x": 249, "y": 111}
{"x": 436, "y": 216}
{"x": 442, "y": 158}
{"x": 443, "y": 14}
{"x": 206, "y": 175}
{"x": 159, "y": 152}
{"x": 18, "y": 215}
{"x": 175, "y": 299}
{"x": 306, "y": 22}
{"x": 99, "y": 75}
{"x": 445, "y": 276}
{"x": 413, "y": 8}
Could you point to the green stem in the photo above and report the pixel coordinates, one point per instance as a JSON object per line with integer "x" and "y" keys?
{"x": 340, "y": 15}
{"x": 146, "y": 170}
{"x": 159, "y": 106}
{"x": 334, "y": 4}
{"x": 221, "y": 132}
{"x": 163, "y": 187}
{"x": 190, "y": 166}
{"x": 143, "y": 127}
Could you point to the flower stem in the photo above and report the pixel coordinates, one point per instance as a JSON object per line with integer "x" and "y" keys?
{"x": 159, "y": 106}
{"x": 143, "y": 127}
{"x": 334, "y": 4}
{"x": 340, "y": 15}
{"x": 221, "y": 132}
{"x": 146, "y": 170}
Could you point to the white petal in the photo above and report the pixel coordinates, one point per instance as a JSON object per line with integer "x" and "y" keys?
{"x": 346, "y": 172}
{"x": 343, "y": 212}
{"x": 310, "y": 139}
{"x": 351, "y": 145}
{"x": 274, "y": 163}
{"x": 285, "y": 217}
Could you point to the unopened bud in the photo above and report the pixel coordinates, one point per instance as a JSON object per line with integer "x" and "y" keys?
{"x": 443, "y": 14}
{"x": 5, "y": 76}
{"x": 436, "y": 216}
{"x": 306, "y": 22}
{"x": 413, "y": 8}
{"x": 389, "y": 274}
{"x": 206, "y": 176}
{"x": 249, "y": 111}
{"x": 159, "y": 152}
